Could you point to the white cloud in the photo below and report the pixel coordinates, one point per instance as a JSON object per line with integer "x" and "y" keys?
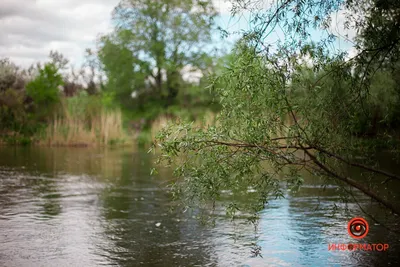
{"x": 223, "y": 6}
{"x": 351, "y": 53}
{"x": 346, "y": 35}
{"x": 29, "y": 29}
{"x": 191, "y": 74}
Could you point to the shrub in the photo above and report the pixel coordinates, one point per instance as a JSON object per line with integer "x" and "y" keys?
{"x": 12, "y": 111}
{"x": 44, "y": 89}
{"x": 8, "y": 74}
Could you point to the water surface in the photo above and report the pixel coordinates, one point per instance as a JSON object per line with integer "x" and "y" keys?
{"x": 93, "y": 207}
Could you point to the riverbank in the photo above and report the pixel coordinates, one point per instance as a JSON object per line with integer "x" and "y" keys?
{"x": 106, "y": 128}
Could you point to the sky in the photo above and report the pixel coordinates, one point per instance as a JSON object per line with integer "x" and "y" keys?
{"x": 29, "y": 29}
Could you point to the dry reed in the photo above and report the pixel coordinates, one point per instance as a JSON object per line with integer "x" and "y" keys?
{"x": 101, "y": 128}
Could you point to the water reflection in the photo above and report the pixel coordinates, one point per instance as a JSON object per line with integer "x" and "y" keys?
{"x": 90, "y": 207}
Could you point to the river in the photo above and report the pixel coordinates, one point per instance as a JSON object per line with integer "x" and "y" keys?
{"x": 100, "y": 207}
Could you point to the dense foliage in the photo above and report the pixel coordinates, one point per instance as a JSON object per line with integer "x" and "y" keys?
{"x": 33, "y": 100}
{"x": 44, "y": 89}
{"x": 296, "y": 106}
{"x": 152, "y": 44}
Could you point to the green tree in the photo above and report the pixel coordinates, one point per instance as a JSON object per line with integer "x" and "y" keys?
{"x": 45, "y": 89}
{"x": 152, "y": 42}
{"x": 124, "y": 72}
{"x": 279, "y": 113}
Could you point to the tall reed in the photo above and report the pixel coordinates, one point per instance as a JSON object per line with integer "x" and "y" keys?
{"x": 85, "y": 123}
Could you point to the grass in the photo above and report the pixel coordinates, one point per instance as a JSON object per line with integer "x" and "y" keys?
{"x": 88, "y": 126}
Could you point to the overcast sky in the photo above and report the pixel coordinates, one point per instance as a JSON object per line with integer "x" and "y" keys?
{"x": 29, "y": 29}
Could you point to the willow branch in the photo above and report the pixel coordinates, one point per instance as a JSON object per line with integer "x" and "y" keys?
{"x": 355, "y": 184}
{"x": 362, "y": 166}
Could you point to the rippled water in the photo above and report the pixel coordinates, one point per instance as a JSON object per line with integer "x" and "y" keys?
{"x": 86, "y": 207}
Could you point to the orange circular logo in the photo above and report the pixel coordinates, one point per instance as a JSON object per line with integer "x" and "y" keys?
{"x": 358, "y": 228}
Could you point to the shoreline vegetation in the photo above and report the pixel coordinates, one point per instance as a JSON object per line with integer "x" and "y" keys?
{"x": 130, "y": 84}
{"x": 105, "y": 129}
{"x": 80, "y": 119}
{"x": 46, "y": 105}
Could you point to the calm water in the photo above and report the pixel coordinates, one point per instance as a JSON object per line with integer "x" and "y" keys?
{"x": 86, "y": 207}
